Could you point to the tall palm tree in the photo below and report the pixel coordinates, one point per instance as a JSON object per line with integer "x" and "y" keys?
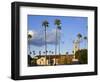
{"x": 85, "y": 38}
{"x": 45, "y": 24}
{"x": 29, "y": 38}
{"x": 58, "y": 28}
{"x": 79, "y": 38}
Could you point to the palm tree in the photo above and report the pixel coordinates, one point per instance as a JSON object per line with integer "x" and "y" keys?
{"x": 52, "y": 52}
{"x": 79, "y": 38}
{"x": 85, "y": 38}
{"x": 33, "y": 52}
{"x": 30, "y": 52}
{"x": 67, "y": 53}
{"x": 45, "y": 24}
{"x": 73, "y": 52}
{"x": 49, "y": 52}
{"x": 43, "y": 52}
{"x": 39, "y": 53}
{"x": 29, "y": 38}
{"x": 58, "y": 28}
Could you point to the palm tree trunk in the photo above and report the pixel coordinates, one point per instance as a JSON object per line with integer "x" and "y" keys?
{"x": 79, "y": 44}
{"x": 79, "y": 48}
{"x": 56, "y": 46}
{"x": 45, "y": 48}
{"x": 49, "y": 58}
{"x": 59, "y": 42}
{"x": 85, "y": 43}
{"x": 59, "y": 45}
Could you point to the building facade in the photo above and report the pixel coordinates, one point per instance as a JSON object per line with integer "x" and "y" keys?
{"x": 55, "y": 60}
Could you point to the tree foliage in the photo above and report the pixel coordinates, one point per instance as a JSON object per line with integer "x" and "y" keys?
{"x": 82, "y": 56}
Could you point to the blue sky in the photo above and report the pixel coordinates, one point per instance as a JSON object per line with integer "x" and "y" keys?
{"x": 71, "y": 26}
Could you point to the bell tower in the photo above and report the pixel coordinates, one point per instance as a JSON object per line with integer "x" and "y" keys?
{"x": 75, "y": 46}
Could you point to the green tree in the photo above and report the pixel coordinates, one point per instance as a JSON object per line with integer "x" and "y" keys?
{"x": 29, "y": 60}
{"x": 79, "y": 36}
{"x": 45, "y": 24}
{"x": 82, "y": 56}
{"x": 29, "y": 38}
{"x": 85, "y": 38}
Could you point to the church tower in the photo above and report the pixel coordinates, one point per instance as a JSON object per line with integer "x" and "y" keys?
{"x": 75, "y": 46}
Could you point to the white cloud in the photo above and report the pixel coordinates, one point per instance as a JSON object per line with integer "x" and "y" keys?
{"x": 39, "y": 40}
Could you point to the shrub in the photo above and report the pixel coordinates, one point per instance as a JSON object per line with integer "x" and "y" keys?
{"x": 82, "y": 56}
